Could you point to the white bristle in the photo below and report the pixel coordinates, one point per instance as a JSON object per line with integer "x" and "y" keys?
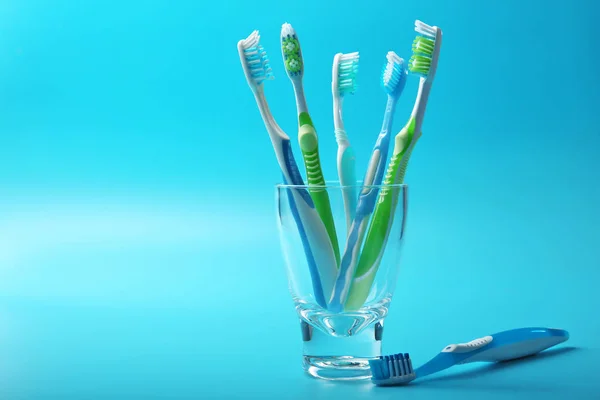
{"x": 350, "y": 56}
{"x": 347, "y": 71}
{"x": 251, "y": 41}
{"x": 287, "y": 29}
{"x": 392, "y": 57}
{"x": 393, "y": 60}
{"x": 255, "y": 59}
{"x": 424, "y": 29}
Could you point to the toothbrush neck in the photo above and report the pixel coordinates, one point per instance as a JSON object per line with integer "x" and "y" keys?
{"x": 338, "y": 123}
{"x": 270, "y": 123}
{"x": 418, "y": 112}
{"x": 388, "y": 116}
{"x": 300, "y": 98}
{"x": 263, "y": 106}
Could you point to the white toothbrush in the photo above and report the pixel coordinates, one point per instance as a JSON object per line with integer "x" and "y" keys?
{"x": 344, "y": 72}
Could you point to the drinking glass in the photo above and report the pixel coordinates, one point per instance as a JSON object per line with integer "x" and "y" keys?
{"x": 338, "y": 342}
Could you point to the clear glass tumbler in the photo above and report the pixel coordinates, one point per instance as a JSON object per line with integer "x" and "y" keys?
{"x": 341, "y": 314}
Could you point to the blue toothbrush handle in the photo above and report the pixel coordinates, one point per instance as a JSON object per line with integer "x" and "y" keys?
{"x": 349, "y": 262}
{"x": 310, "y": 259}
{"x": 292, "y": 171}
{"x": 347, "y": 265}
{"x": 366, "y": 204}
{"x": 502, "y": 346}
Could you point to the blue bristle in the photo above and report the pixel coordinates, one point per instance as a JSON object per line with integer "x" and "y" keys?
{"x": 393, "y": 77}
{"x": 258, "y": 63}
{"x": 403, "y": 365}
{"x": 395, "y": 369}
{"x": 375, "y": 366}
{"x": 395, "y": 365}
{"x": 385, "y": 372}
{"x": 347, "y": 73}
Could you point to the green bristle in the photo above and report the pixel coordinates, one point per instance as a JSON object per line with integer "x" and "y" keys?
{"x": 423, "y": 45}
{"x": 420, "y": 62}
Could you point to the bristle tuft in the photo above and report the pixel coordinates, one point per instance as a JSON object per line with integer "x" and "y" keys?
{"x": 292, "y": 53}
{"x": 423, "y": 49}
{"x": 393, "y": 77}
{"x": 347, "y": 73}
{"x": 392, "y": 370}
{"x": 424, "y": 29}
{"x": 256, "y": 59}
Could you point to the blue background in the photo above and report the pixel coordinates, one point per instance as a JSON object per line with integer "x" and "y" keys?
{"x": 139, "y": 256}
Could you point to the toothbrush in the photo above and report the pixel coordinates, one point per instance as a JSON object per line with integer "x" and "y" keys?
{"x": 307, "y": 135}
{"x": 426, "y": 48}
{"x": 393, "y": 82}
{"x": 508, "y": 345}
{"x": 321, "y": 260}
{"x": 344, "y": 71}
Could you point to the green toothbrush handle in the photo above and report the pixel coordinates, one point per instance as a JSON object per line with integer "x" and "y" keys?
{"x": 381, "y": 224}
{"x": 368, "y": 262}
{"x": 314, "y": 173}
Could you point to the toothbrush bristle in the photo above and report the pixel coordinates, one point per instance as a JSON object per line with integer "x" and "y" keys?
{"x": 423, "y": 45}
{"x": 347, "y": 73}
{"x": 423, "y": 48}
{"x": 394, "y": 73}
{"x": 424, "y": 29}
{"x": 396, "y": 369}
{"x": 287, "y": 30}
{"x": 256, "y": 59}
{"x": 419, "y": 64}
{"x": 290, "y": 48}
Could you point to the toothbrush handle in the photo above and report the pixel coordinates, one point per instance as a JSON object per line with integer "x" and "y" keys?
{"x": 511, "y": 345}
{"x": 364, "y": 209}
{"x": 349, "y": 261}
{"x": 319, "y": 254}
{"x": 318, "y": 192}
{"x": 382, "y": 221}
{"x": 374, "y": 243}
{"x": 290, "y": 169}
{"x": 346, "y": 161}
{"x": 507, "y": 345}
{"x": 312, "y": 265}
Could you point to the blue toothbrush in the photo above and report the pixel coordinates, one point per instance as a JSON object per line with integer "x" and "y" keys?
{"x": 508, "y": 345}
{"x": 393, "y": 82}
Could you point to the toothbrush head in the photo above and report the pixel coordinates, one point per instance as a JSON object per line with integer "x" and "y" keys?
{"x": 292, "y": 54}
{"x": 393, "y": 77}
{"x": 254, "y": 60}
{"x": 392, "y": 370}
{"x": 345, "y": 71}
{"x": 426, "y": 50}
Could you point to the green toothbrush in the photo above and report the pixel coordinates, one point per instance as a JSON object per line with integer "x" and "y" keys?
{"x": 307, "y": 135}
{"x": 426, "y": 51}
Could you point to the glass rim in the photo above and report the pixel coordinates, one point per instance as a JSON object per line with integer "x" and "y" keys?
{"x": 338, "y": 185}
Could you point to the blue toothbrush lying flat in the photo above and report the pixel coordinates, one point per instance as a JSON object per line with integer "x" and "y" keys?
{"x": 508, "y": 345}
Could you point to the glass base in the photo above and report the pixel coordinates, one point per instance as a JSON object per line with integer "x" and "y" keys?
{"x": 337, "y": 368}
{"x": 331, "y": 357}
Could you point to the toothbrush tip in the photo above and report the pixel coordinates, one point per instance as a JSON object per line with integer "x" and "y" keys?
{"x": 287, "y": 29}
